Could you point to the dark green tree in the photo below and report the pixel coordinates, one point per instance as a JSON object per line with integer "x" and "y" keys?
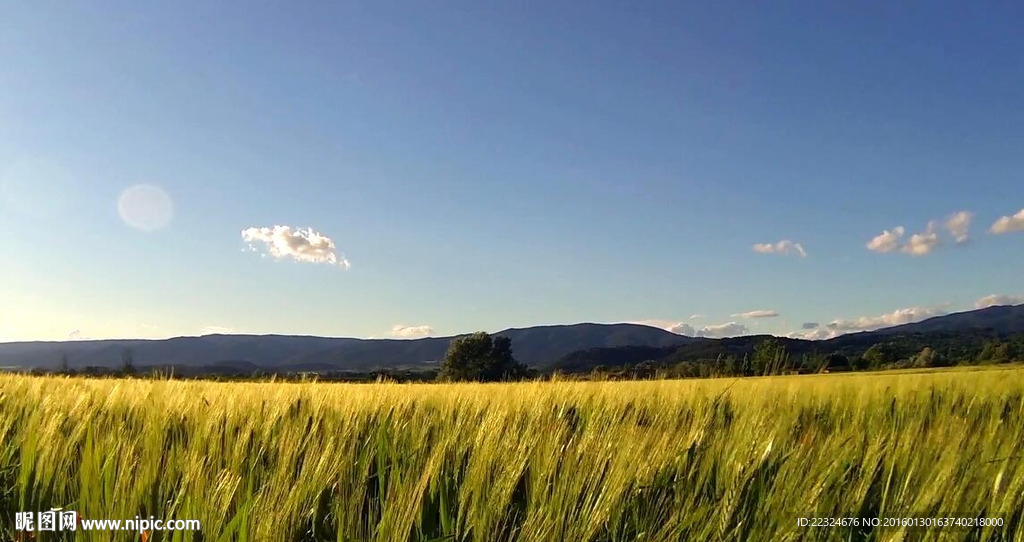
{"x": 128, "y": 361}
{"x": 770, "y": 357}
{"x": 645, "y": 369}
{"x": 927, "y": 358}
{"x": 835, "y": 361}
{"x": 481, "y": 357}
{"x": 880, "y": 355}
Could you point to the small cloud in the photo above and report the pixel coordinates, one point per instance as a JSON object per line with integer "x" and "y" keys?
{"x": 696, "y": 316}
{"x": 757, "y": 314}
{"x": 998, "y": 299}
{"x": 813, "y": 335}
{"x": 918, "y": 244}
{"x": 682, "y": 328}
{"x": 75, "y": 334}
{"x": 301, "y": 245}
{"x": 411, "y": 332}
{"x": 958, "y": 225}
{"x": 722, "y": 330}
{"x": 672, "y": 326}
{"x": 895, "y": 318}
{"x": 1008, "y": 224}
{"x": 810, "y": 325}
{"x": 887, "y": 241}
{"x": 784, "y": 247}
{"x": 216, "y": 330}
{"x": 921, "y": 244}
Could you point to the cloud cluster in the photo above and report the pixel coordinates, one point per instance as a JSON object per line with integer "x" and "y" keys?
{"x": 301, "y": 245}
{"x": 820, "y": 334}
{"x": 957, "y": 224}
{"x": 757, "y": 314}
{"x": 729, "y": 329}
{"x": 784, "y": 247}
{"x": 411, "y": 332}
{"x": 682, "y": 328}
{"x": 1008, "y": 224}
{"x": 813, "y": 331}
{"x": 998, "y": 299}
{"x": 919, "y": 244}
{"x": 895, "y": 318}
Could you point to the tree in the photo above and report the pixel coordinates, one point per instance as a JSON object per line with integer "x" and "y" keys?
{"x": 835, "y": 361}
{"x": 770, "y": 357}
{"x": 128, "y": 361}
{"x": 645, "y": 369}
{"x": 482, "y": 358}
{"x": 879, "y": 355}
{"x": 926, "y": 358}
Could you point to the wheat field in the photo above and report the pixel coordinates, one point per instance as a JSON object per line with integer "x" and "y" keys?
{"x": 568, "y": 461}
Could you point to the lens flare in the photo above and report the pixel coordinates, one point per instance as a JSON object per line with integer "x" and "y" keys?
{"x": 145, "y": 207}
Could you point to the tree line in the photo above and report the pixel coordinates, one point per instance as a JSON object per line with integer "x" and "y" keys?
{"x": 481, "y": 357}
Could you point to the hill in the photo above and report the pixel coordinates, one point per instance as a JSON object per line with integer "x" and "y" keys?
{"x": 535, "y": 346}
{"x": 960, "y": 337}
{"x": 1005, "y": 319}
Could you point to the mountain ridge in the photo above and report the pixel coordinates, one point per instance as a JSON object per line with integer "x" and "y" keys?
{"x": 537, "y": 346}
{"x": 532, "y": 345}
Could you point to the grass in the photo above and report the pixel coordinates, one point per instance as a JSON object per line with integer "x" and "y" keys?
{"x": 572, "y": 461}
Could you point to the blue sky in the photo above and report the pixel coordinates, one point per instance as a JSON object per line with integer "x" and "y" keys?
{"x": 402, "y": 169}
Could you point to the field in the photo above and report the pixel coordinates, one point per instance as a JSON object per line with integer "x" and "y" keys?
{"x": 663, "y": 460}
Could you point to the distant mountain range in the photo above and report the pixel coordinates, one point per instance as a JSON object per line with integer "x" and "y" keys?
{"x": 956, "y": 335}
{"x": 1001, "y": 319}
{"x": 533, "y": 346}
{"x": 541, "y": 346}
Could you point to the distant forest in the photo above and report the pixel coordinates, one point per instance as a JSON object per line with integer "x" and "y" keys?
{"x": 757, "y": 355}
{"x": 767, "y": 355}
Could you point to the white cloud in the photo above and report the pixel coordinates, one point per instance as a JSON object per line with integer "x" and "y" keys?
{"x": 696, "y": 316}
{"x": 784, "y": 247}
{"x": 682, "y": 328}
{"x": 75, "y": 335}
{"x": 411, "y": 332}
{"x": 302, "y": 245}
{"x": 958, "y": 225}
{"x": 722, "y": 330}
{"x": 757, "y": 314}
{"x": 921, "y": 244}
{"x": 895, "y": 318}
{"x": 1008, "y": 224}
{"x": 813, "y": 335}
{"x": 216, "y": 330}
{"x": 887, "y": 241}
{"x": 998, "y": 299}
{"x": 672, "y": 326}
